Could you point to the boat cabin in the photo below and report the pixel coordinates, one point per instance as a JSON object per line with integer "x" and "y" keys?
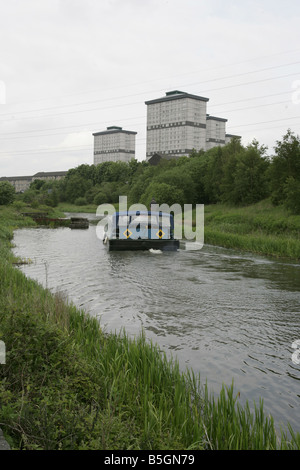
{"x": 140, "y": 230}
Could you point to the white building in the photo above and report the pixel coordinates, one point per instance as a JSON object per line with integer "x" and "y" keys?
{"x": 22, "y": 183}
{"x": 178, "y": 123}
{"x": 114, "y": 144}
{"x": 229, "y": 137}
{"x": 215, "y": 131}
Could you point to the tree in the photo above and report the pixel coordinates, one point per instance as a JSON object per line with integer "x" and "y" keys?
{"x": 84, "y": 170}
{"x": 141, "y": 182}
{"x": 91, "y": 193}
{"x": 37, "y": 184}
{"x": 285, "y": 164}
{"x": 292, "y": 195}
{"x": 112, "y": 171}
{"x": 7, "y": 193}
{"x": 179, "y": 178}
{"x": 249, "y": 179}
{"x": 100, "y": 198}
{"x": 30, "y": 195}
{"x": 51, "y": 197}
{"x": 76, "y": 186}
{"x": 163, "y": 193}
{"x": 213, "y": 176}
{"x": 228, "y": 178}
{"x": 196, "y": 171}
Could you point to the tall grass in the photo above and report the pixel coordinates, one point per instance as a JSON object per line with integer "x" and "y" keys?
{"x": 68, "y": 207}
{"x": 260, "y": 228}
{"x": 68, "y": 385}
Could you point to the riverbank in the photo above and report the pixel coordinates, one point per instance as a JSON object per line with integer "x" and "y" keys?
{"x": 260, "y": 228}
{"x": 80, "y": 388}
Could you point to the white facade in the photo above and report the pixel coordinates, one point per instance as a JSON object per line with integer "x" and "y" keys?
{"x": 114, "y": 144}
{"x": 229, "y": 137}
{"x": 215, "y": 131}
{"x": 22, "y": 183}
{"x": 176, "y": 124}
{"x": 179, "y": 123}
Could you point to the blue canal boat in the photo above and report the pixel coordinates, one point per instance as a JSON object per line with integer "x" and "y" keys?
{"x": 140, "y": 230}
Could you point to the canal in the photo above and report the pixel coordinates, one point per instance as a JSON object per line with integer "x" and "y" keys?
{"x": 228, "y": 315}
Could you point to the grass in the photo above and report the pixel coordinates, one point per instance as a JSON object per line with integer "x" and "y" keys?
{"x": 260, "y": 228}
{"x": 68, "y": 385}
{"x": 68, "y": 207}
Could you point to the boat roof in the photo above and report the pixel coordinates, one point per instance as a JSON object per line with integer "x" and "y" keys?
{"x": 137, "y": 212}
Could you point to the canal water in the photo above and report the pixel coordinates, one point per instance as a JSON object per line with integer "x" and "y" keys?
{"x": 228, "y": 315}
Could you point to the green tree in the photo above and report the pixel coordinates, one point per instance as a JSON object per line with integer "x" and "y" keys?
{"x": 227, "y": 190}
{"x": 37, "y": 184}
{"x": 76, "y": 186}
{"x": 135, "y": 168}
{"x": 141, "y": 182}
{"x": 85, "y": 171}
{"x": 100, "y": 198}
{"x": 285, "y": 165}
{"x": 163, "y": 193}
{"x": 7, "y": 193}
{"x": 231, "y": 154}
{"x": 51, "y": 197}
{"x": 213, "y": 176}
{"x": 30, "y": 195}
{"x": 249, "y": 183}
{"x": 91, "y": 193}
{"x": 292, "y": 195}
{"x": 112, "y": 171}
{"x": 179, "y": 179}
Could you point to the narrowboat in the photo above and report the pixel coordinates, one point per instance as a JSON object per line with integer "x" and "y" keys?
{"x": 140, "y": 230}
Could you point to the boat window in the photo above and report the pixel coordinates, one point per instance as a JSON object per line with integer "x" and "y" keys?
{"x": 164, "y": 221}
{"x": 123, "y": 220}
{"x": 140, "y": 219}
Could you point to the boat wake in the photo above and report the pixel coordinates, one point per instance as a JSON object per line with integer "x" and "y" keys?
{"x": 155, "y": 252}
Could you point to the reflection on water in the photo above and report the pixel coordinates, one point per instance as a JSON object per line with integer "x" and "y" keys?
{"x": 228, "y": 315}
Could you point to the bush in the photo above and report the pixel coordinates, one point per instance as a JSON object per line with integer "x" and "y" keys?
{"x": 100, "y": 198}
{"x": 30, "y": 195}
{"x": 19, "y": 205}
{"x": 7, "y": 193}
{"x": 292, "y": 195}
{"x": 80, "y": 201}
{"x": 285, "y": 170}
{"x": 163, "y": 193}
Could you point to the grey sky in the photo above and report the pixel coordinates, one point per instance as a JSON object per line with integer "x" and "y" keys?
{"x": 74, "y": 67}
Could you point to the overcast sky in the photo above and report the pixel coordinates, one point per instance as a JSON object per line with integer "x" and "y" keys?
{"x": 69, "y": 68}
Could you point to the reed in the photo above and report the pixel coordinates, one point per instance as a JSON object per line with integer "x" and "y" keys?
{"x": 260, "y": 228}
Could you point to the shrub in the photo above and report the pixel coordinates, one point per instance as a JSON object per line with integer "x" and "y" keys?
{"x": 7, "y": 193}
{"x": 100, "y": 198}
{"x": 292, "y": 195}
{"x": 80, "y": 201}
